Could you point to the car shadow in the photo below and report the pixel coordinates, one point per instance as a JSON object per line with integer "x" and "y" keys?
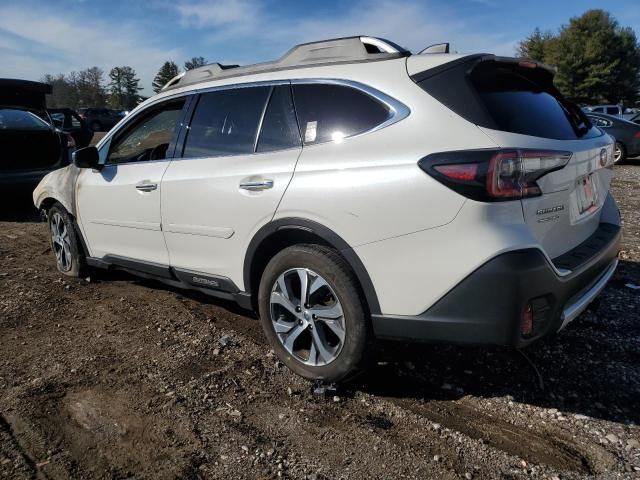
{"x": 592, "y": 367}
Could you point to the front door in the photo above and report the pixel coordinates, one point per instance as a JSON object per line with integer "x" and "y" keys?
{"x": 119, "y": 206}
{"x": 239, "y": 156}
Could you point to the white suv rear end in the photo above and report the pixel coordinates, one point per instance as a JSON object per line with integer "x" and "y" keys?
{"x": 351, "y": 191}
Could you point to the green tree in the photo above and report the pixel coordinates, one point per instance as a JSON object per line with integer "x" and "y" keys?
{"x": 90, "y": 88}
{"x": 64, "y": 92}
{"x": 195, "y": 62}
{"x": 123, "y": 88}
{"x": 597, "y": 60}
{"x": 166, "y": 73}
{"x": 535, "y": 45}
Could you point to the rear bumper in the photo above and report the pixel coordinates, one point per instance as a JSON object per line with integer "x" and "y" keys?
{"x": 487, "y": 306}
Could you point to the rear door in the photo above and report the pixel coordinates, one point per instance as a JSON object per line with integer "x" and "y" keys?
{"x": 239, "y": 155}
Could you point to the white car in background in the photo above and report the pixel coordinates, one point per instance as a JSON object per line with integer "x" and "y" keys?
{"x": 351, "y": 191}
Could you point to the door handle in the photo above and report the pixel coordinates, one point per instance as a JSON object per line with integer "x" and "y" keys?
{"x": 147, "y": 187}
{"x": 256, "y": 186}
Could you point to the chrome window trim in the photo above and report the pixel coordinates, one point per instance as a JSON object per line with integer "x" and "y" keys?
{"x": 397, "y": 110}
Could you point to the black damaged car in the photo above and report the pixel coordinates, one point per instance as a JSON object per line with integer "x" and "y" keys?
{"x": 30, "y": 146}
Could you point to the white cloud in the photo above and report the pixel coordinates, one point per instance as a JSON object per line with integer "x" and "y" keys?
{"x": 415, "y": 24}
{"x": 58, "y": 42}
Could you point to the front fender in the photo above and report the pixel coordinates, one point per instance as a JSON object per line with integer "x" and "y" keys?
{"x": 59, "y": 185}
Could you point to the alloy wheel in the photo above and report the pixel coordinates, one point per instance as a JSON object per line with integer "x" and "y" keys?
{"x": 307, "y": 317}
{"x": 61, "y": 242}
{"x": 617, "y": 153}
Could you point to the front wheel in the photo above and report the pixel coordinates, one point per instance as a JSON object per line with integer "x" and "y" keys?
{"x": 70, "y": 259}
{"x": 312, "y": 313}
{"x": 619, "y": 153}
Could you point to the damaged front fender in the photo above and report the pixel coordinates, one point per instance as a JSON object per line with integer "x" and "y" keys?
{"x": 59, "y": 185}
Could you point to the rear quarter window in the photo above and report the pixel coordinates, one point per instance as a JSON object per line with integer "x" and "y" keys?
{"x": 329, "y": 112}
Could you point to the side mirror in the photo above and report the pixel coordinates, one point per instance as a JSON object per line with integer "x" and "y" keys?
{"x": 87, "y": 158}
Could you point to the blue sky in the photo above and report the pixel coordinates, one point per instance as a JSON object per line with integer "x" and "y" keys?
{"x": 58, "y": 36}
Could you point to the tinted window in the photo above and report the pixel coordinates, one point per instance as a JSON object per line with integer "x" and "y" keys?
{"x": 149, "y": 136}
{"x": 613, "y": 110}
{"x": 518, "y": 103}
{"x": 58, "y": 119}
{"x": 75, "y": 121}
{"x": 11, "y": 119}
{"x": 279, "y": 127}
{"x": 226, "y": 122}
{"x": 332, "y": 112}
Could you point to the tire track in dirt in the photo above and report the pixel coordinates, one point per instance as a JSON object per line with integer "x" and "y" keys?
{"x": 550, "y": 448}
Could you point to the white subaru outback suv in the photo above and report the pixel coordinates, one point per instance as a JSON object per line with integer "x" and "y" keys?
{"x": 351, "y": 191}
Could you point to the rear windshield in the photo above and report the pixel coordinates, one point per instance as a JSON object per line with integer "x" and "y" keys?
{"x": 12, "y": 119}
{"x": 509, "y": 97}
{"x": 518, "y": 103}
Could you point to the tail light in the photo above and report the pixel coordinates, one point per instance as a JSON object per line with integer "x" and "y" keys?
{"x": 637, "y": 134}
{"x": 494, "y": 175}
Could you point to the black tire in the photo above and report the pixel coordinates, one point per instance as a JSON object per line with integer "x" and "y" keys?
{"x": 357, "y": 347}
{"x": 623, "y": 153}
{"x": 76, "y": 265}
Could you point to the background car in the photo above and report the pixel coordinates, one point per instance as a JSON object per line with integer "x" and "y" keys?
{"x": 626, "y": 133}
{"x": 70, "y": 122}
{"x": 617, "y": 110}
{"x": 30, "y": 147}
{"x": 100, "y": 119}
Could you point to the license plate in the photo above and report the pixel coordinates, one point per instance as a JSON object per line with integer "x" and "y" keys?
{"x": 587, "y": 194}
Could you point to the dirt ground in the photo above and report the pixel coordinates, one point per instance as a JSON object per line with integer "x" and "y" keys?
{"x": 115, "y": 377}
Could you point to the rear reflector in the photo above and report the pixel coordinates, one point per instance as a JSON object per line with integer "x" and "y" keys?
{"x": 494, "y": 175}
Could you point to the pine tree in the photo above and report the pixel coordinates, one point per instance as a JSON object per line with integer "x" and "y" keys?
{"x": 195, "y": 62}
{"x": 166, "y": 73}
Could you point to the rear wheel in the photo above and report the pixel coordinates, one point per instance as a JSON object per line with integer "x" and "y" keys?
{"x": 70, "y": 259}
{"x": 312, "y": 314}
{"x": 619, "y": 153}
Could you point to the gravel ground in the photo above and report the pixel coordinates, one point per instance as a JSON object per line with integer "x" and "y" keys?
{"x": 115, "y": 377}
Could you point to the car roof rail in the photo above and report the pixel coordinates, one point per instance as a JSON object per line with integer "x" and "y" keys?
{"x": 436, "y": 48}
{"x": 336, "y": 50}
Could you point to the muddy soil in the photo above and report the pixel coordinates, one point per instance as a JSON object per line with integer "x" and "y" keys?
{"x": 115, "y": 377}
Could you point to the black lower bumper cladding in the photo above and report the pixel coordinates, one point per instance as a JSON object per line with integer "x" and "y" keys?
{"x": 486, "y": 307}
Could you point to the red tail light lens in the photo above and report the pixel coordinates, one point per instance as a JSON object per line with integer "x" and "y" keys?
{"x": 637, "y": 134}
{"x": 494, "y": 175}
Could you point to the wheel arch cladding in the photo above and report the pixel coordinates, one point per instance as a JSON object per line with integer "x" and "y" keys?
{"x": 286, "y": 232}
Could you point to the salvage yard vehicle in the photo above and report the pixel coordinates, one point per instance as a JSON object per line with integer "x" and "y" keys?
{"x": 351, "y": 191}
{"x": 30, "y": 146}
{"x": 625, "y": 132}
{"x": 68, "y": 120}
